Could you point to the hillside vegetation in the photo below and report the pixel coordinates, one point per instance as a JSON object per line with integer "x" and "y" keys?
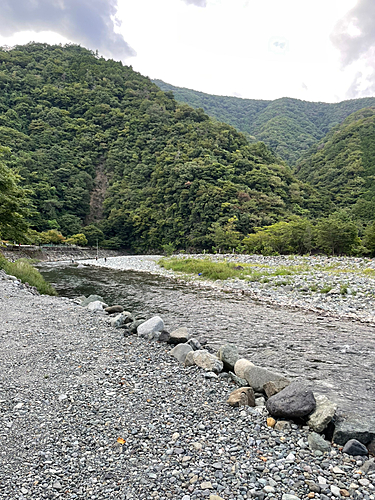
{"x": 288, "y": 126}
{"x": 100, "y": 144}
{"x": 343, "y": 165}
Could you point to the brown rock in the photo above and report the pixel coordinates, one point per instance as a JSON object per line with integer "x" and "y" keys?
{"x": 344, "y": 493}
{"x": 274, "y": 386}
{"x": 271, "y": 422}
{"x": 243, "y": 396}
{"x": 114, "y": 309}
{"x": 311, "y": 495}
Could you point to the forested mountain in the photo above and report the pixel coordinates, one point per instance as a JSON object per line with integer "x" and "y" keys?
{"x": 343, "y": 165}
{"x": 98, "y": 142}
{"x": 288, "y": 126}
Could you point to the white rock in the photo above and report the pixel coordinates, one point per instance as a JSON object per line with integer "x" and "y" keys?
{"x": 155, "y": 324}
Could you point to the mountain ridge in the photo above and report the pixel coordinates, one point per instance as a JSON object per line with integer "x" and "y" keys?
{"x": 287, "y": 125}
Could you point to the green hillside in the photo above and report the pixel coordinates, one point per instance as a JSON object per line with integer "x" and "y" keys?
{"x": 98, "y": 142}
{"x": 288, "y": 126}
{"x": 343, "y": 164}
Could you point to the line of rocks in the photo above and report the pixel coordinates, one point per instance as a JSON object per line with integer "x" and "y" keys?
{"x": 283, "y": 405}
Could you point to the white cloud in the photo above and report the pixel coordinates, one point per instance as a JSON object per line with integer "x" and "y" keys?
{"x": 258, "y": 49}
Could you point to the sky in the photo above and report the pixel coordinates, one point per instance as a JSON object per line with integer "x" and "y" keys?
{"x": 315, "y": 50}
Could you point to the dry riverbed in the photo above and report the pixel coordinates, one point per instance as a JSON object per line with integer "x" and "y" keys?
{"x": 335, "y": 286}
{"x": 90, "y": 414}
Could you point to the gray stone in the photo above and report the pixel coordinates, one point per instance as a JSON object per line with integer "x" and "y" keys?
{"x": 155, "y": 324}
{"x": 241, "y": 382}
{"x": 257, "y": 377}
{"x": 240, "y": 367}
{"x": 368, "y": 466}
{"x": 274, "y": 386}
{"x": 189, "y": 360}
{"x": 121, "y": 319}
{"x": 179, "y": 336}
{"x": 114, "y": 309}
{"x": 164, "y": 336}
{"x": 180, "y": 352}
{"x": 318, "y": 443}
{"x": 228, "y": 354}
{"x": 133, "y": 327}
{"x": 194, "y": 344}
{"x": 96, "y": 305}
{"x": 354, "y": 447}
{"x": 243, "y": 396}
{"x": 361, "y": 429}
{"x": 204, "y": 359}
{"x": 335, "y": 490}
{"x": 286, "y": 496}
{"x": 91, "y": 298}
{"x": 295, "y": 401}
{"x": 323, "y": 413}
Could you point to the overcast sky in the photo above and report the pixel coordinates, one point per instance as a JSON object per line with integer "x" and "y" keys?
{"x": 316, "y": 50}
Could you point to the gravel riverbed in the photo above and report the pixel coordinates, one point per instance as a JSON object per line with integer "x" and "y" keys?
{"x": 87, "y": 413}
{"x": 335, "y": 286}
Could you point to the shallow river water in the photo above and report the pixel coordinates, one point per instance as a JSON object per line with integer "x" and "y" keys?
{"x": 336, "y": 356}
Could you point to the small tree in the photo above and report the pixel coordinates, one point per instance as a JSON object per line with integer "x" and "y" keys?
{"x": 226, "y": 237}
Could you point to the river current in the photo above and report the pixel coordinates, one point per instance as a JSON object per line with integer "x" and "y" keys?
{"x": 336, "y": 356}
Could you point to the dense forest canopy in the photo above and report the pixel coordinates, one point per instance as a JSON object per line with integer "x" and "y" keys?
{"x": 343, "y": 165}
{"x": 288, "y": 126}
{"x": 100, "y": 144}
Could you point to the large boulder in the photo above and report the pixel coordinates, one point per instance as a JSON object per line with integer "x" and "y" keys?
{"x": 228, "y": 354}
{"x": 323, "y": 413}
{"x": 91, "y": 298}
{"x": 360, "y": 428}
{"x": 295, "y": 401}
{"x": 205, "y": 360}
{"x": 243, "y": 396}
{"x": 257, "y": 377}
{"x": 241, "y": 365}
{"x": 150, "y": 327}
{"x": 179, "y": 336}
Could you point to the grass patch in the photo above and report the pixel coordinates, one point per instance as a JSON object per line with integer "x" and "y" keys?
{"x": 224, "y": 270}
{"x": 325, "y": 289}
{"x": 204, "y": 268}
{"x": 25, "y": 272}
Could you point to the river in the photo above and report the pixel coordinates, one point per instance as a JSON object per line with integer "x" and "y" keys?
{"x": 336, "y": 356}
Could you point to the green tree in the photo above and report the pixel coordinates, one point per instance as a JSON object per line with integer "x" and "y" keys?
{"x": 77, "y": 239}
{"x": 14, "y": 201}
{"x": 93, "y": 235}
{"x": 337, "y": 234}
{"x": 369, "y": 238}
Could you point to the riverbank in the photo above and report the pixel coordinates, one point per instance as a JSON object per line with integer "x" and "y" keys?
{"x": 89, "y": 413}
{"x": 55, "y": 254}
{"x": 342, "y": 287}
